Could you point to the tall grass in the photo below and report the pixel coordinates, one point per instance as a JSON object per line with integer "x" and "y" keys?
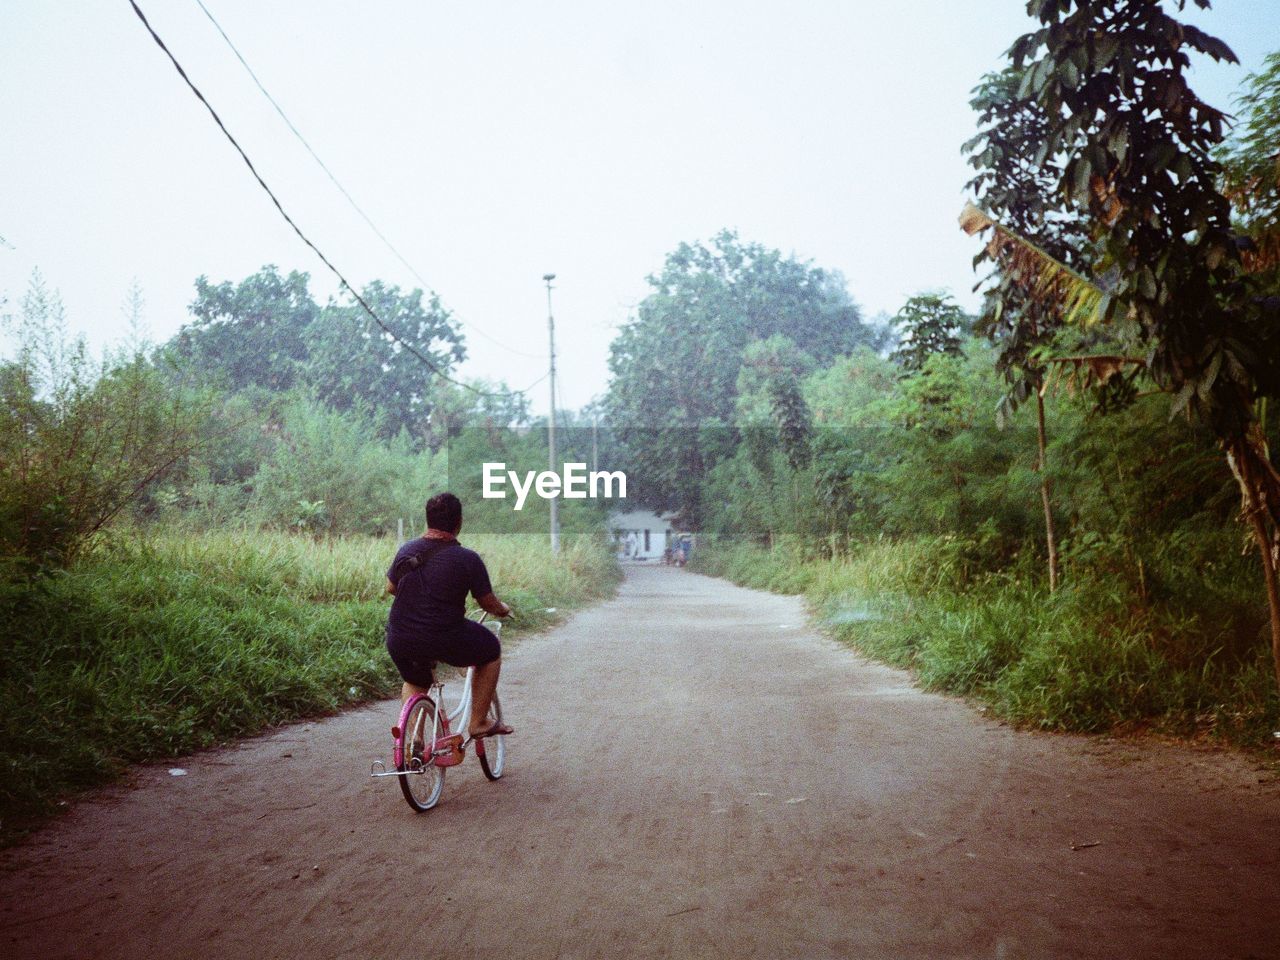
{"x": 148, "y": 647}
{"x": 1182, "y": 654}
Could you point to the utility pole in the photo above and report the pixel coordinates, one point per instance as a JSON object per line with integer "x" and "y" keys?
{"x": 551, "y": 421}
{"x": 594, "y": 407}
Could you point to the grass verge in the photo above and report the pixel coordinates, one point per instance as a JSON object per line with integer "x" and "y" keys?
{"x": 152, "y": 647}
{"x": 1185, "y": 659}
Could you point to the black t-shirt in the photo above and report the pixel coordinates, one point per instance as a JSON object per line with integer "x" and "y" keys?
{"x": 432, "y": 597}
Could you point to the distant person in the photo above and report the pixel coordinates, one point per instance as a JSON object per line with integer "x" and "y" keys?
{"x": 430, "y": 579}
{"x": 632, "y": 544}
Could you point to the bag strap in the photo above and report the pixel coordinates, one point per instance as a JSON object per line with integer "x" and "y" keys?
{"x": 413, "y": 561}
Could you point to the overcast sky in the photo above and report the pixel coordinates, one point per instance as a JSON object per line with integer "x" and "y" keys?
{"x": 493, "y": 142}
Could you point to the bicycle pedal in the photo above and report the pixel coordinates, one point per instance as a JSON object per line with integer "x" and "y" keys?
{"x": 447, "y": 751}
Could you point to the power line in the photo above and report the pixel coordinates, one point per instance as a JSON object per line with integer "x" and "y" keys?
{"x": 535, "y": 383}
{"x": 296, "y": 229}
{"x": 350, "y": 199}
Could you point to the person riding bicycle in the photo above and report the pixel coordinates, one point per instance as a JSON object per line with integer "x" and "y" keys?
{"x": 429, "y": 579}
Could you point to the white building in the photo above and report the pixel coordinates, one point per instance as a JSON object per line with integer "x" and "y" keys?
{"x": 640, "y": 534}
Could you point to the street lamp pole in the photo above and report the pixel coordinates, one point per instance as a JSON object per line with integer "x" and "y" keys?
{"x": 551, "y": 421}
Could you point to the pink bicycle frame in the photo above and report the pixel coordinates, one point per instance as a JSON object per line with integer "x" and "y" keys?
{"x": 446, "y": 748}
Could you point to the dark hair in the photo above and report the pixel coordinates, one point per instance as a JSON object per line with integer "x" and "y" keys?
{"x": 444, "y": 512}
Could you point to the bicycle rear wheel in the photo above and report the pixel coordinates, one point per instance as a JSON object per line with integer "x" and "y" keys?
{"x": 421, "y": 780}
{"x": 492, "y": 751}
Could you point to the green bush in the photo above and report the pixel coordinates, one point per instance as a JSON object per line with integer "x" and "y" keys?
{"x": 80, "y": 438}
{"x": 329, "y": 473}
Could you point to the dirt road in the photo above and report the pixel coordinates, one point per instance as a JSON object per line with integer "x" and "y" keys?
{"x": 696, "y": 773}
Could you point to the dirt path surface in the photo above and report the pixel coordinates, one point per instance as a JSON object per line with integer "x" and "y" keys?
{"x": 696, "y": 773}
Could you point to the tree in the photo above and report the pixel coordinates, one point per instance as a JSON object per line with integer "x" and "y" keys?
{"x": 857, "y": 440}
{"x": 1251, "y": 166}
{"x": 771, "y": 373}
{"x": 351, "y": 362}
{"x": 251, "y": 333}
{"x": 1132, "y": 151}
{"x": 455, "y": 409}
{"x": 675, "y": 365}
{"x": 266, "y": 332}
{"x": 1016, "y": 182}
{"x": 80, "y": 439}
{"x": 929, "y": 324}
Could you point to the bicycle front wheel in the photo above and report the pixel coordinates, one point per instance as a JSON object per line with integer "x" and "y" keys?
{"x": 492, "y": 751}
{"x": 421, "y": 780}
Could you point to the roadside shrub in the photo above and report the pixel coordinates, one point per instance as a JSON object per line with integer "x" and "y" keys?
{"x": 80, "y": 439}
{"x": 329, "y": 473}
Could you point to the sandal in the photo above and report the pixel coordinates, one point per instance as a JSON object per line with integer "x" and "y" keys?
{"x": 497, "y": 730}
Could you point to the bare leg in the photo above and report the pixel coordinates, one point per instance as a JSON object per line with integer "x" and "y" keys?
{"x": 483, "y": 685}
{"x": 408, "y": 689}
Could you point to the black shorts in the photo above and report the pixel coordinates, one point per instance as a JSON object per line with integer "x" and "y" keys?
{"x": 469, "y": 644}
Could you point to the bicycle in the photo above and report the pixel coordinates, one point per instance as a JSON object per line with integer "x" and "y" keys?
{"x": 421, "y": 768}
